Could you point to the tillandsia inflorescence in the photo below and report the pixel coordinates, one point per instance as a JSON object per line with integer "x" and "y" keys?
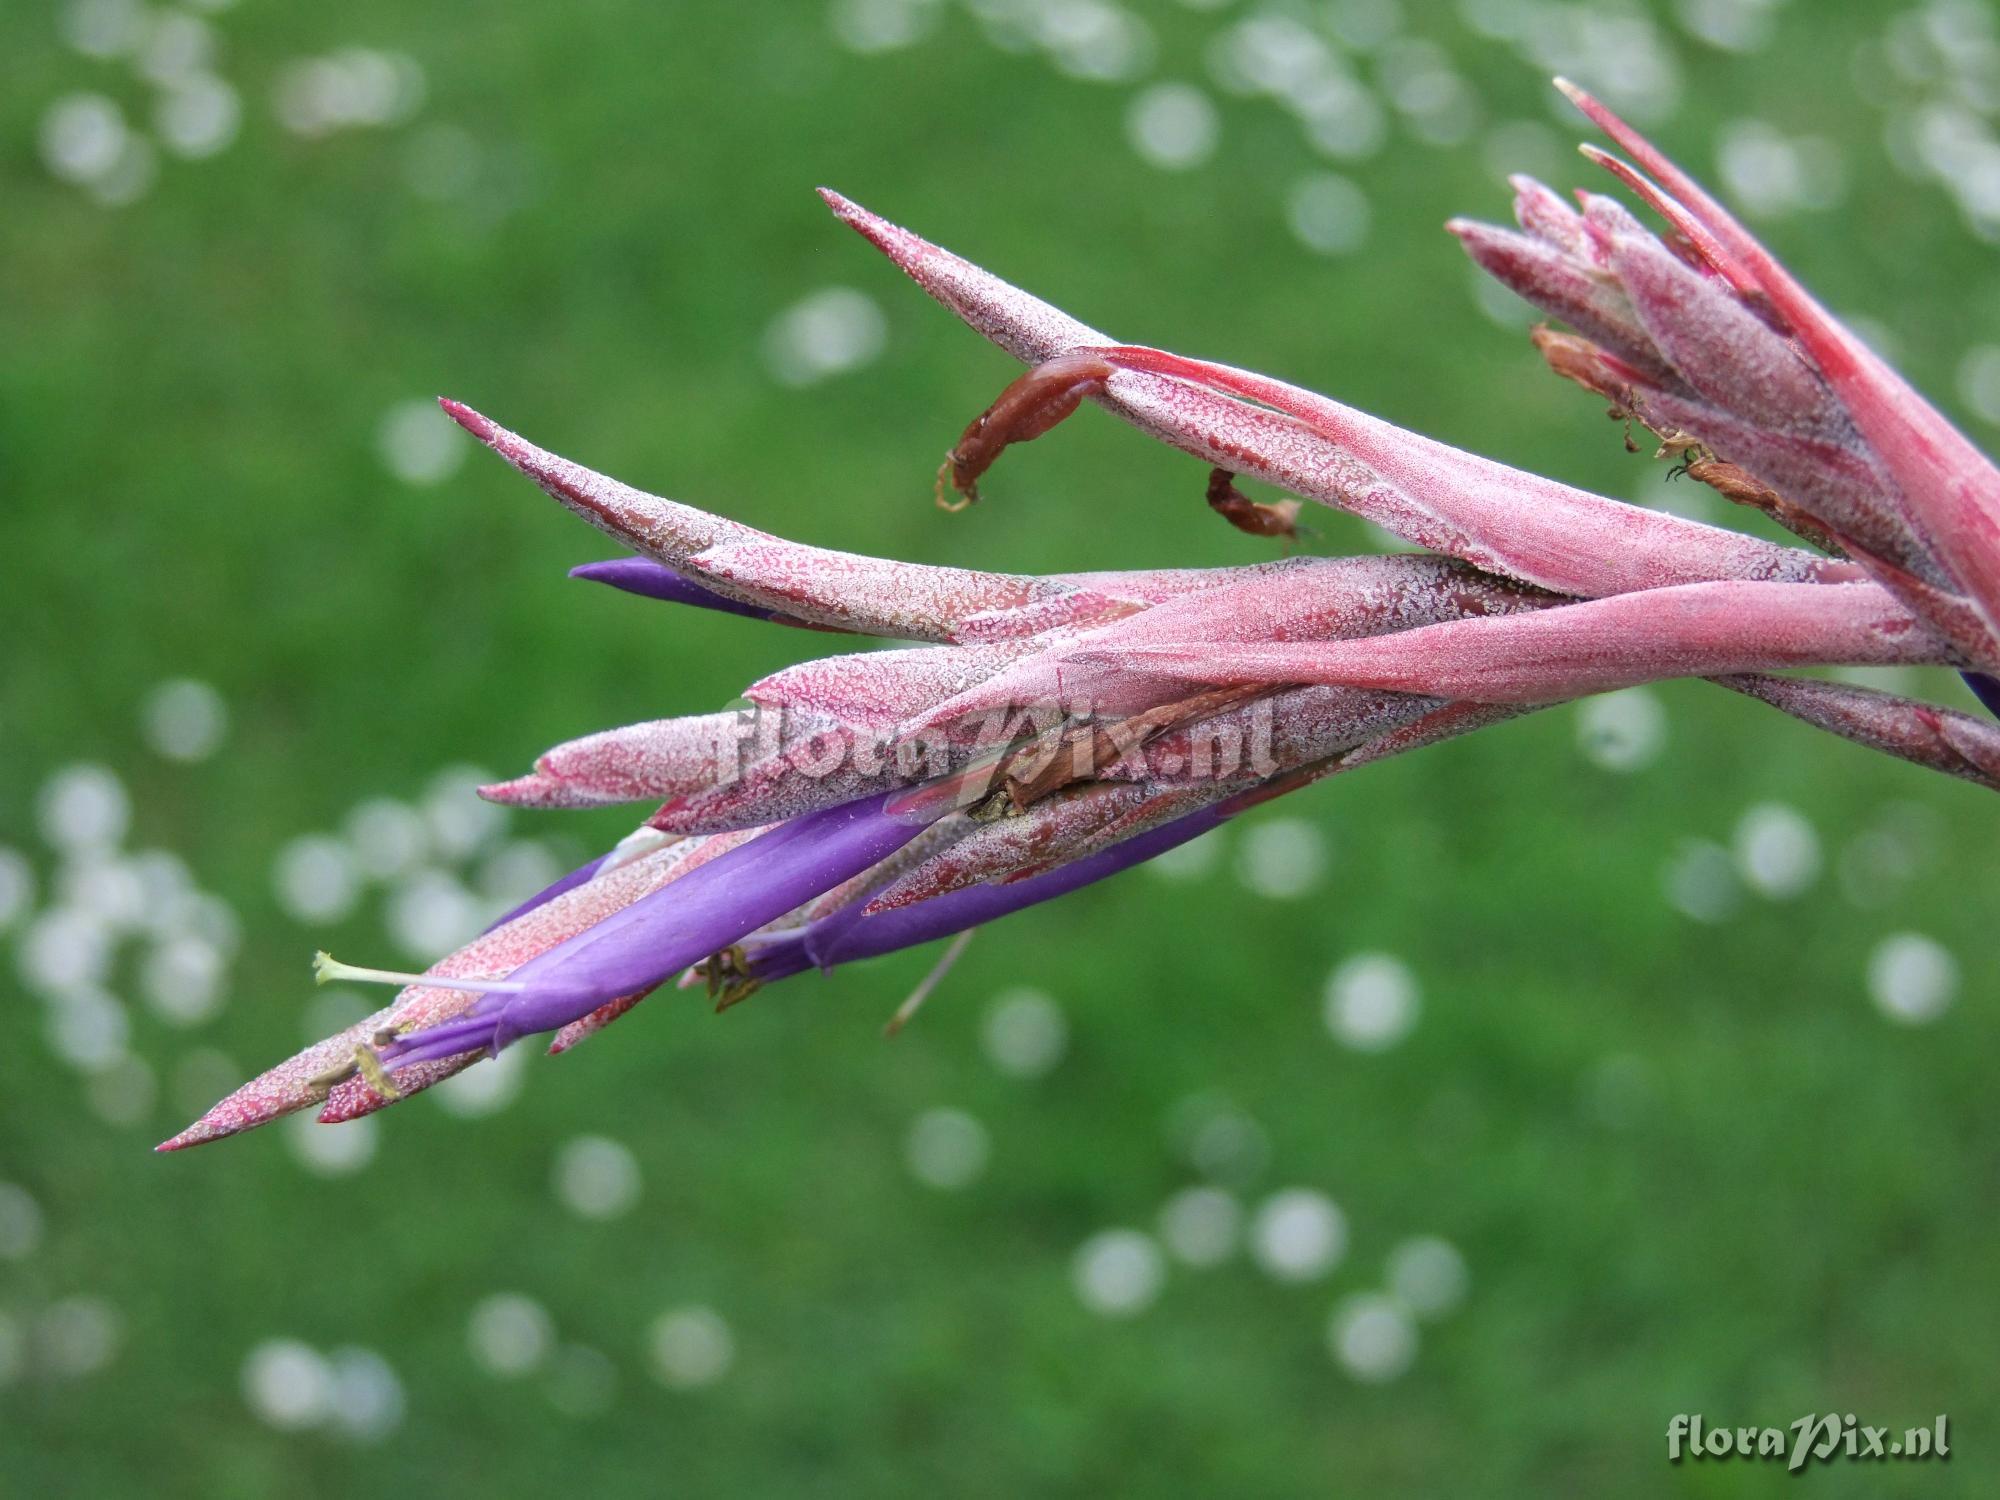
{"x": 1048, "y": 731}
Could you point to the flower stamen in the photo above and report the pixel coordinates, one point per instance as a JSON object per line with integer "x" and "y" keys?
{"x": 329, "y": 970}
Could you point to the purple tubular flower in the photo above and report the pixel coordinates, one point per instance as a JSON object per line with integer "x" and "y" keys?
{"x": 666, "y": 932}
{"x": 655, "y": 580}
{"x": 847, "y": 937}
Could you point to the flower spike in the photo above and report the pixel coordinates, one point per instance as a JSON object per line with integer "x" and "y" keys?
{"x": 1048, "y": 731}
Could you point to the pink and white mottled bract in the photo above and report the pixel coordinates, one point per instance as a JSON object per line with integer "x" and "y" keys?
{"x": 1042, "y": 732}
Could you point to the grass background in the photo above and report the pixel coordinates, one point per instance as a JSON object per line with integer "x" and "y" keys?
{"x": 1790, "y": 1209}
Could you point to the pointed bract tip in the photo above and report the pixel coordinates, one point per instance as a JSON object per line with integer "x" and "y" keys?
{"x": 890, "y": 239}
{"x": 1596, "y": 111}
{"x": 479, "y": 426}
{"x": 572, "y": 484}
{"x": 210, "y": 1127}
{"x": 541, "y": 789}
{"x": 522, "y": 790}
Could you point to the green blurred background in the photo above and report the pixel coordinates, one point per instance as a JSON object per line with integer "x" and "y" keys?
{"x": 1452, "y": 1128}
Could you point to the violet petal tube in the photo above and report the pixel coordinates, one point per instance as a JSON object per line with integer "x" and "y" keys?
{"x": 845, "y": 937}
{"x": 542, "y": 897}
{"x": 678, "y": 925}
{"x": 653, "y": 580}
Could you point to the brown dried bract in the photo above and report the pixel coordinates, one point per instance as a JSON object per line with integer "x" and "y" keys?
{"x": 1042, "y": 398}
{"x": 1576, "y": 358}
{"x": 1024, "y": 411}
{"x": 1733, "y": 482}
{"x": 1278, "y": 518}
